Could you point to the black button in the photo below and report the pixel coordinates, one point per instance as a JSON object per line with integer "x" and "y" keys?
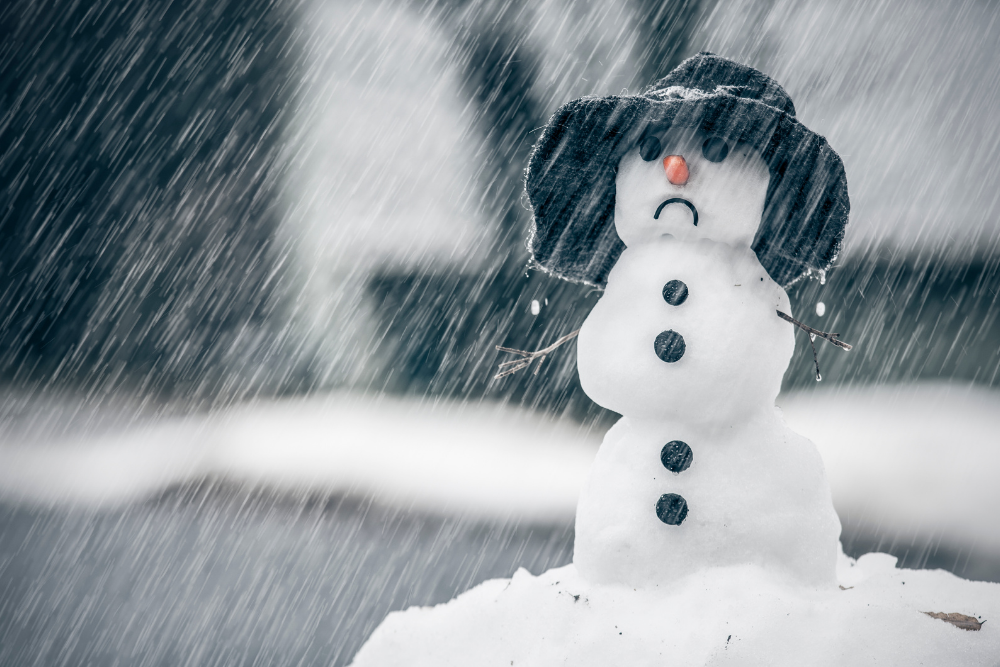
{"x": 669, "y": 346}
{"x": 671, "y": 509}
{"x": 676, "y": 456}
{"x": 675, "y": 292}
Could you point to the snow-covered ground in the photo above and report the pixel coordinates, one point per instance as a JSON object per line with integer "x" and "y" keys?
{"x": 922, "y": 459}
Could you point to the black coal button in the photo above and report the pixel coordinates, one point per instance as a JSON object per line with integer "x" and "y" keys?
{"x": 676, "y": 456}
{"x": 671, "y": 509}
{"x": 675, "y": 292}
{"x": 669, "y": 346}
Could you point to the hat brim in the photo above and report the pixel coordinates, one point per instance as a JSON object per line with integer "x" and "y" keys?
{"x": 570, "y": 182}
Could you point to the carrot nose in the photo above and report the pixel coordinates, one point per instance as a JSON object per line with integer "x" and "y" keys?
{"x": 676, "y": 169}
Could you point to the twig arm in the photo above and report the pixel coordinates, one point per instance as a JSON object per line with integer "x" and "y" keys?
{"x": 514, "y": 365}
{"x": 831, "y": 337}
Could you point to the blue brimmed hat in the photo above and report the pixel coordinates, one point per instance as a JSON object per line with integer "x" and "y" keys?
{"x": 570, "y": 179}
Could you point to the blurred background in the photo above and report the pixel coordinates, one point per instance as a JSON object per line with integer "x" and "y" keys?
{"x": 255, "y": 257}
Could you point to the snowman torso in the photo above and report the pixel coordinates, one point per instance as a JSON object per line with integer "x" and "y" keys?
{"x": 685, "y": 343}
{"x": 735, "y": 348}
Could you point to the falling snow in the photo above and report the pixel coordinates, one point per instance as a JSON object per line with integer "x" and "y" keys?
{"x": 213, "y": 206}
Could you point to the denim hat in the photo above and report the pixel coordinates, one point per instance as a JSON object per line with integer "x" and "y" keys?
{"x": 570, "y": 179}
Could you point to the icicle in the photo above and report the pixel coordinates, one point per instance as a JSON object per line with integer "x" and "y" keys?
{"x": 812, "y": 344}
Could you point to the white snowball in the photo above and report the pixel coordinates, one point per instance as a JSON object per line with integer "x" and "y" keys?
{"x": 737, "y": 348}
{"x": 821, "y": 309}
{"x": 756, "y": 493}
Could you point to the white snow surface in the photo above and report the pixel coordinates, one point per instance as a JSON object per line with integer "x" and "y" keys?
{"x": 717, "y": 616}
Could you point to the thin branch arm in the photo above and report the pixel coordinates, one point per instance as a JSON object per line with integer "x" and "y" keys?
{"x": 831, "y": 337}
{"x": 513, "y": 366}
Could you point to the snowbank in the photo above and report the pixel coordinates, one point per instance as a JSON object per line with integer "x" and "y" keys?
{"x": 719, "y": 616}
{"x": 923, "y": 457}
{"x": 482, "y": 460}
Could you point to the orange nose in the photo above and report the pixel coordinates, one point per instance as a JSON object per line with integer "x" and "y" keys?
{"x": 676, "y": 169}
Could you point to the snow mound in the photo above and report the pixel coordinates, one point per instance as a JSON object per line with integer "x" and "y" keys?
{"x": 719, "y": 616}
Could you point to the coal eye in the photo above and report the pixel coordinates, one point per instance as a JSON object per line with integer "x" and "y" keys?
{"x": 715, "y": 149}
{"x": 649, "y": 148}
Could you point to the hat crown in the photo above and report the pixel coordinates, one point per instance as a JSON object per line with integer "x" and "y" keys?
{"x": 712, "y": 75}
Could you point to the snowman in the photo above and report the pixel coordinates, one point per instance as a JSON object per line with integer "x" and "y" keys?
{"x": 685, "y": 344}
{"x": 693, "y": 205}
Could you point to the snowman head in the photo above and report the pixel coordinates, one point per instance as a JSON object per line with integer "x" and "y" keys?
{"x": 688, "y": 184}
{"x": 590, "y": 189}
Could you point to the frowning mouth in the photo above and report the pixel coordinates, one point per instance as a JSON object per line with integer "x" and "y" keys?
{"x": 677, "y": 200}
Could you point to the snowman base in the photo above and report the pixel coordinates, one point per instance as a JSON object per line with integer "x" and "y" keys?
{"x": 740, "y": 615}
